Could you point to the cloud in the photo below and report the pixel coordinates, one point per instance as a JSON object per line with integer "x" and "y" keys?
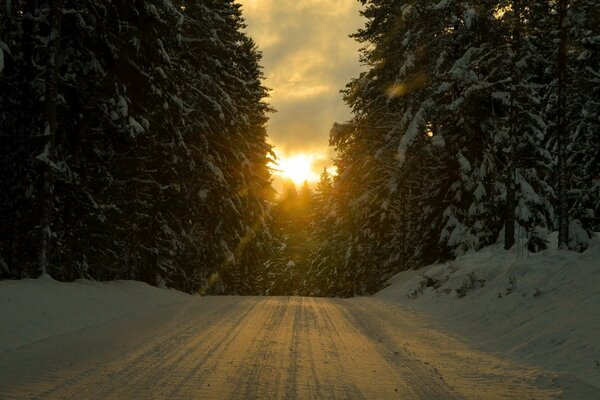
{"x": 308, "y": 58}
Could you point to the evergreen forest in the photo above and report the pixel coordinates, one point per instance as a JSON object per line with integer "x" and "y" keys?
{"x": 133, "y": 144}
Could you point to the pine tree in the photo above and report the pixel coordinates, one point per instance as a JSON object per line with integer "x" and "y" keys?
{"x": 563, "y": 208}
{"x": 325, "y": 276}
{"x": 286, "y": 270}
{"x": 159, "y": 163}
{"x": 570, "y": 111}
{"x": 450, "y": 147}
{"x": 584, "y": 101}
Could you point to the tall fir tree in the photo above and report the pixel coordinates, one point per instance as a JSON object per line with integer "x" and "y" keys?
{"x": 135, "y": 143}
{"x": 453, "y": 144}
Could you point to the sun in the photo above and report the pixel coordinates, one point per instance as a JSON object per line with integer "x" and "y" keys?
{"x": 298, "y": 168}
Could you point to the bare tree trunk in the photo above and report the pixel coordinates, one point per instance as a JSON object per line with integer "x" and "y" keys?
{"x": 49, "y": 153}
{"x": 563, "y": 184}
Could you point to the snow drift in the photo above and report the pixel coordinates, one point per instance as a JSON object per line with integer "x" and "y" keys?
{"x": 543, "y": 308}
{"x": 36, "y": 309}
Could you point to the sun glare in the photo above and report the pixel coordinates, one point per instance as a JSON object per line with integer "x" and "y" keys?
{"x": 298, "y": 168}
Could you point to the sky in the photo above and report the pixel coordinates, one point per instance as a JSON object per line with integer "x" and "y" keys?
{"x": 307, "y": 58}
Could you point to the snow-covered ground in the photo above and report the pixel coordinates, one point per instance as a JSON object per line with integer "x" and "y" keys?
{"x": 543, "y": 309}
{"x": 270, "y": 348}
{"x": 36, "y": 309}
{"x": 416, "y": 336}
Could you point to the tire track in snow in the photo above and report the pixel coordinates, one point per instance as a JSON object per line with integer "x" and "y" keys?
{"x": 178, "y": 367}
{"x": 110, "y": 377}
{"x": 256, "y": 362}
{"x": 332, "y": 334}
{"x": 424, "y": 383}
{"x": 468, "y": 372}
{"x": 260, "y": 348}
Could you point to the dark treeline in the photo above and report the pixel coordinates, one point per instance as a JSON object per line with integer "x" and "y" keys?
{"x": 132, "y": 143}
{"x": 300, "y": 220}
{"x": 476, "y": 122}
{"x": 291, "y": 226}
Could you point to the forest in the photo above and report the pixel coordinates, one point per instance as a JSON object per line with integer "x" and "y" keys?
{"x": 133, "y": 144}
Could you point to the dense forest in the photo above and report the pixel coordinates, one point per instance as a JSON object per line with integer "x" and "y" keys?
{"x": 476, "y": 122}
{"x": 133, "y": 144}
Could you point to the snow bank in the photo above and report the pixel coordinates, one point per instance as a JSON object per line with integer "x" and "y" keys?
{"x": 541, "y": 308}
{"x": 36, "y": 309}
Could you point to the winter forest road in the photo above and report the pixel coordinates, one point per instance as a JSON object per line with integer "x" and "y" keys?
{"x": 264, "y": 348}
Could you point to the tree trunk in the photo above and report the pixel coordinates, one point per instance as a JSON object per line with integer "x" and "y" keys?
{"x": 563, "y": 184}
{"x": 8, "y": 9}
{"x": 509, "y": 219}
{"x": 403, "y": 229}
{"x": 511, "y": 193}
{"x": 49, "y": 152}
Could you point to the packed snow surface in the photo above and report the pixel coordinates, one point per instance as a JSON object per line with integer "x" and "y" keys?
{"x": 36, "y": 309}
{"x": 542, "y": 309}
{"x": 269, "y": 348}
{"x": 124, "y": 340}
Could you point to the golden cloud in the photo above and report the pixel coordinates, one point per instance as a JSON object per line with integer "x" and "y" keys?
{"x": 307, "y": 57}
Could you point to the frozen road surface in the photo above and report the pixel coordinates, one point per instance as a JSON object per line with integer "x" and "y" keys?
{"x": 265, "y": 348}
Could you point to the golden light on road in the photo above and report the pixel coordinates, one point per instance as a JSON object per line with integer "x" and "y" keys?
{"x": 298, "y": 168}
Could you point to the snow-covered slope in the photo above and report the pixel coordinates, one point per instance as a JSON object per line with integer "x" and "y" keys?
{"x": 541, "y": 308}
{"x": 36, "y": 309}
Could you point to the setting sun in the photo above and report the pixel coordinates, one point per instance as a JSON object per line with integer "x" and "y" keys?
{"x": 298, "y": 168}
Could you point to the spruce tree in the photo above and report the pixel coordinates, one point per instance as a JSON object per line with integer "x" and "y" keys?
{"x": 453, "y": 145}
{"x": 156, "y": 166}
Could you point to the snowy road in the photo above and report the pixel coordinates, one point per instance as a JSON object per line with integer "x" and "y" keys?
{"x": 264, "y": 348}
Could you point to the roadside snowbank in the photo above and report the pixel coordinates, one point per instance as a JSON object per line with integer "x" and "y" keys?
{"x": 543, "y": 308}
{"x": 36, "y": 309}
